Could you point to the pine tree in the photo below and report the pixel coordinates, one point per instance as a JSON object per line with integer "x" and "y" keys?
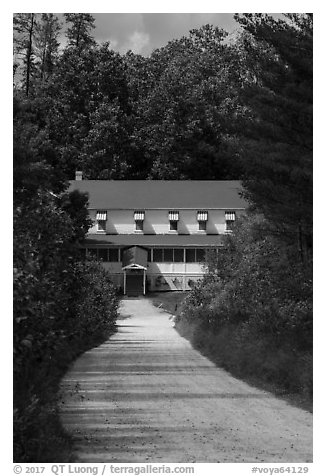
{"x": 78, "y": 33}
{"x": 276, "y": 135}
{"x": 24, "y": 31}
{"x": 46, "y": 43}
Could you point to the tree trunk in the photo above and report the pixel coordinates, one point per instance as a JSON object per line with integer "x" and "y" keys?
{"x": 29, "y": 55}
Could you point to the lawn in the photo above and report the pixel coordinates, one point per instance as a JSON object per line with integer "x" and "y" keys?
{"x": 169, "y": 301}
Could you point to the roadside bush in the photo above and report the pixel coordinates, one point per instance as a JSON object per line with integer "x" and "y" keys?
{"x": 62, "y": 306}
{"x": 252, "y": 314}
{"x": 96, "y": 304}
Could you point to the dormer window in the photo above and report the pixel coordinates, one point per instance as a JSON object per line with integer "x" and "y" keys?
{"x": 101, "y": 216}
{"x": 202, "y": 217}
{"x": 229, "y": 220}
{"x": 139, "y": 217}
{"x": 174, "y": 218}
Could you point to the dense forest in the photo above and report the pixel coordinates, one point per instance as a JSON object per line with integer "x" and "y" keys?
{"x": 206, "y": 106}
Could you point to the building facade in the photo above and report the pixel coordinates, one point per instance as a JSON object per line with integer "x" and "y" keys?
{"x": 153, "y": 235}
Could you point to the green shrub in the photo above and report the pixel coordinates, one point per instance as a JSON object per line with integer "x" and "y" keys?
{"x": 61, "y": 307}
{"x": 252, "y": 313}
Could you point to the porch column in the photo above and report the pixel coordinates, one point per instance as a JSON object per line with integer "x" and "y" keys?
{"x": 124, "y": 281}
{"x": 184, "y": 269}
{"x": 144, "y": 282}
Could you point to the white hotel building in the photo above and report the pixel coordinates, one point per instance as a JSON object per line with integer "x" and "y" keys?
{"x": 152, "y": 235}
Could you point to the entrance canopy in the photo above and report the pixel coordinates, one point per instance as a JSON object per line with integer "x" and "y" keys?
{"x": 134, "y": 265}
{"x": 134, "y": 258}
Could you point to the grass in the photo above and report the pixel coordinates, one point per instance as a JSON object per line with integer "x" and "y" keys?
{"x": 255, "y": 362}
{"x": 248, "y": 362}
{"x": 170, "y": 301}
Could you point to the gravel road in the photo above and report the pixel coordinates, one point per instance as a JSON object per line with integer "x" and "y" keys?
{"x": 146, "y": 395}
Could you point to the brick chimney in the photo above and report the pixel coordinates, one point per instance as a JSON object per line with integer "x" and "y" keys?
{"x": 79, "y": 175}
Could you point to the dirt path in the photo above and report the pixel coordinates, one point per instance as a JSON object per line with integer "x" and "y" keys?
{"x": 146, "y": 396}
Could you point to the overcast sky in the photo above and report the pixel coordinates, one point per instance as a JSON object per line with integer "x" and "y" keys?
{"x": 143, "y": 32}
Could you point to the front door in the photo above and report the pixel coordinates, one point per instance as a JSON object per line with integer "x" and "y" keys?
{"x": 134, "y": 282}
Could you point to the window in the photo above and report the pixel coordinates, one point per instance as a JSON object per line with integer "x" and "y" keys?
{"x": 101, "y": 220}
{"x": 173, "y": 225}
{"x": 101, "y": 225}
{"x": 113, "y": 255}
{"x": 202, "y": 217}
{"x": 139, "y": 225}
{"x": 103, "y": 254}
{"x": 200, "y": 255}
{"x": 168, "y": 255}
{"x": 229, "y": 220}
{"x": 158, "y": 255}
{"x": 139, "y": 217}
{"x": 190, "y": 255}
{"x": 195, "y": 255}
{"x": 174, "y": 218}
{"x": 178, "y": 255}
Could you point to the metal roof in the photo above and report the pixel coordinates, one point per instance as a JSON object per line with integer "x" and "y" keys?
{"x": 161, "y": 194}
{"x": 154, "y": 240}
